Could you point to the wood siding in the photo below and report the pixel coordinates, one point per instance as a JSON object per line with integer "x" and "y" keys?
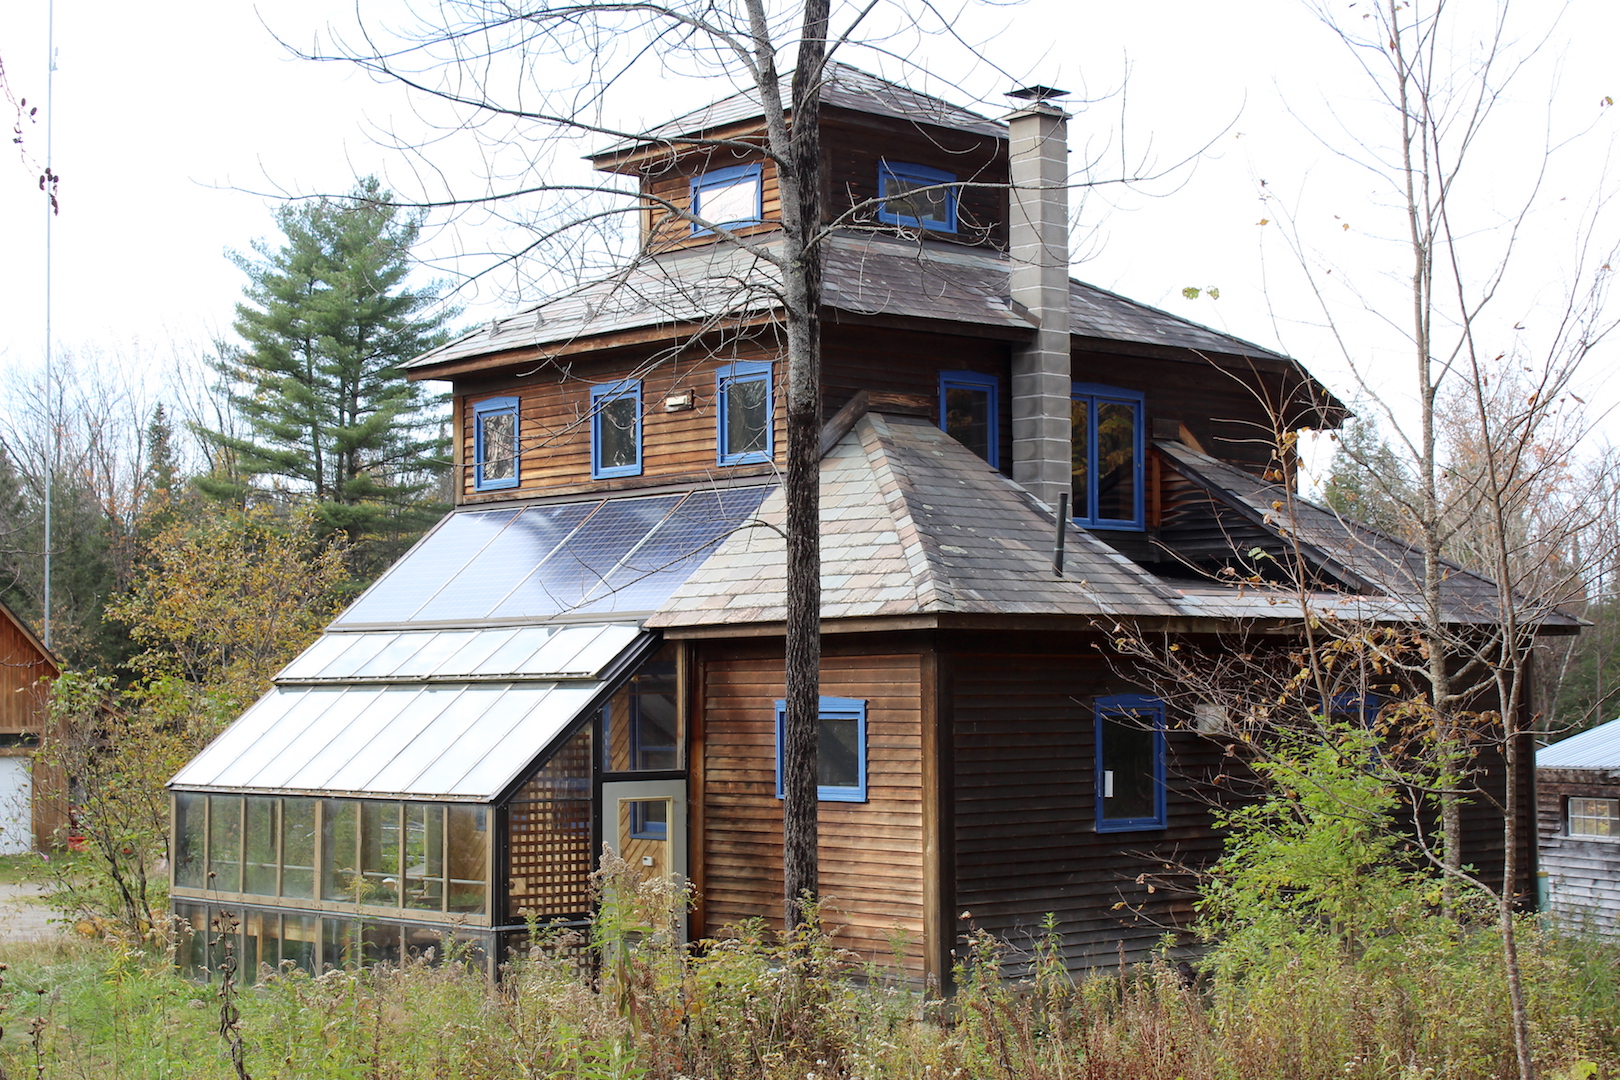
{"x": 1583, "y": 873}
{"x": 671, "y": 183}
{"x": 1025, "y": 839}
{"x": 554, "y": 421}
{"x": 871, "y": 853}
{"x": 25, "y": 676}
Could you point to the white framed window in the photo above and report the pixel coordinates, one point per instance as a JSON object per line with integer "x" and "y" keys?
{"x": 1593, "y": 817}
{"x": 728, "y": 197}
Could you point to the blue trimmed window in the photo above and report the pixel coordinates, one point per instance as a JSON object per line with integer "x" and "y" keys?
{"x": 1130, "y": 763}
{"x": 729, "y": 197}
{"x": 743, "y": 390}
{"x": 616, "y": 430}
{"x": 1356, "y": 708}
{"x": 840, "y": 750}
{"x": 1105, "y": 424}
{"x": 649, "y": 819}
{"x": 912, "y": 195}
{"x": 968, "y": 412}
{"x": 495, "y": 444}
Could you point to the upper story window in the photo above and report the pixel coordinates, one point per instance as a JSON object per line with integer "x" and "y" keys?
{"x": 728, "y": 197}
{"x": 616, "y": 430}
{"x": 840, "y": 750}
{"x": 495, "y": 444}
{"x": 968, "y": 411}
{"x": 1130, "y": 763}
{"x": 1594, "y": 817}
{"x": 913, "y": 195}
{"x": 1106, "y": 428}
{"x": 744, "y": 412}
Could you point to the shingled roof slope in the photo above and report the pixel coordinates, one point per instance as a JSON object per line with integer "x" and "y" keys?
{"x": 865, "y": 275}
{"x": 1350, "y": 549}
{"x": 913, "y": 523}
{"x": 844, "y": 87}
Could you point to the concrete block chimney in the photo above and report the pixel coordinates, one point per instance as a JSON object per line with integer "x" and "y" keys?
{"x": 1038, "y": 234}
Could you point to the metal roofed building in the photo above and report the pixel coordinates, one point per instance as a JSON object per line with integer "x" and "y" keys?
{"x": 588, "y": 651}
{"x": 1578, "y": 796}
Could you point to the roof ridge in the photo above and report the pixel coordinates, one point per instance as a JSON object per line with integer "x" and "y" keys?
{"x": 919, "y": 546}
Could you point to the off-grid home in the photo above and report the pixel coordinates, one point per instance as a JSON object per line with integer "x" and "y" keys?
{"x": 1578, "y": 794}
{"x": 588, "y": 651}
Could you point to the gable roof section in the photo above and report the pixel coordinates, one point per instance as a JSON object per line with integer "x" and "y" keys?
{"x": 844, "y": 87}
{"x": 913, "y": 523}
{"x": 1595, "y": 748}
{"x": 1349, "y": 550}
{"x": 27, "y": 635}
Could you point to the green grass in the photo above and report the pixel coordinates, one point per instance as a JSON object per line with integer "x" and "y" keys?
{"x": 16, "y": 869}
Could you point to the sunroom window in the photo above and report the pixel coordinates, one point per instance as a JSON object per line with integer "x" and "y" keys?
{"x": 1106, "y": 432}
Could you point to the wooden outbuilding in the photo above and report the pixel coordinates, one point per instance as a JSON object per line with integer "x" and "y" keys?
{"x": 589, "y": 650}
{"x": 1578, "y": 794}
{"x": 32, "y": 807}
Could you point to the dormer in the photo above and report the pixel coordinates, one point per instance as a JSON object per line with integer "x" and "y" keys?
{"x": 893, "y": 161}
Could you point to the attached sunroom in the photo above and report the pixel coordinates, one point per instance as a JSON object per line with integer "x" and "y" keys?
{"x": 426, "y": 775}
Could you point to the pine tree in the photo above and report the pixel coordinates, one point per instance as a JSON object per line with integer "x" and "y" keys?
{"x": 326, "y": 320}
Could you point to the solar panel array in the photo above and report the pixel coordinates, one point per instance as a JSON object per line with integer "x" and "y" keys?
{"x": 541, "y": 562}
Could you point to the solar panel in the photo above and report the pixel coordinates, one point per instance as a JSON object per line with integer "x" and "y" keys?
{"x": 427, "y": 567}
{"x": 649, "y": 574}
{"x": 581, "y": 563}
{"x": 511, "y": 557}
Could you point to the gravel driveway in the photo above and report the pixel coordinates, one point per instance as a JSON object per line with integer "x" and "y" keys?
{"x": 23, "y": 917}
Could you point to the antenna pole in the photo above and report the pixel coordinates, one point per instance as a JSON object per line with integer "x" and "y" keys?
{"x": 50, "y": 386}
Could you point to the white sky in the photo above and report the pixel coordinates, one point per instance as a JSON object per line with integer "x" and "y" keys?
{"x": 173, "y": 120}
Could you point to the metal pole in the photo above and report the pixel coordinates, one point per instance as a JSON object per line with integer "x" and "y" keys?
{"x": 50, "y": 212}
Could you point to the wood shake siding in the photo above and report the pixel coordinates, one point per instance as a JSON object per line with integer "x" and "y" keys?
{"x": 871, "y": 853}
{"x": 1025, "y": 842}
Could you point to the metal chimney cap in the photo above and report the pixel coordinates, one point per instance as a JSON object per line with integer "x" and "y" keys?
{"x": 1037, "y": 93}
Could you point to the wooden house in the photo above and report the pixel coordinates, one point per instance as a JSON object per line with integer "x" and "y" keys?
{"x": 1578, "y": 796}
{"x": 589, "y": 650}
{"x": 31, "y": 795}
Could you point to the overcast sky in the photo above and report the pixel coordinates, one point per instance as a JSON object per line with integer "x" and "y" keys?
{"x": 174, "y": 122}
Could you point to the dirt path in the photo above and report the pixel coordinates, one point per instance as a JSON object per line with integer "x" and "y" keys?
{"x": 23, "y": 917}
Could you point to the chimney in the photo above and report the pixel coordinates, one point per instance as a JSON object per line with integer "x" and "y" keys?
{"x": 1038, "y": 231}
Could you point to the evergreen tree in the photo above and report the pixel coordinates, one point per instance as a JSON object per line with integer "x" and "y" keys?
{"x": 1367, "y": 481}
{"x": 325, "y": 321}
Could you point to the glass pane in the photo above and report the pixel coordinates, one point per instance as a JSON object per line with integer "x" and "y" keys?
{"x": 500, "y": 446}
{"x": 967, "y": 418}
{"x": 654, "y": 722}
{"x": 298, "y": 940}
{"x": 1128, "y": 767}
{"x": 424, "y": 856}
{"x": 261, "y": 931}
{"x": 649, "y": 819}
{"x": 259, "y": 873}
{"x": 1116, "y": 461}
{"x": 428, "y": 566}
{"x": 298, "y": 848}
{"x": 190, "y": 813}
{"x": 904, "y": 199}
{"x": 1594, "y": 817}
{"x": 616, "y": 422}
{"x": 340, "y": 943}
{"x": 224, "y": 843}
{"x": 192, "y": 954}
{"x": 379, "y": 943}
{"x": 469, "y": 850}
{"x": 838, "y": 754}
{"x": 1080, "y": 456}
{"x": 380, "y": 851}
{"x": 725, "y": 204}
{"x": 340, "y": 851}
{"x": 747, "y": 414}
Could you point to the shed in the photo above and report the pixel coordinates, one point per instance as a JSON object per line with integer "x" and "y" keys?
{"x": 1578, "y": 799}
{"x": 30, "y": 812}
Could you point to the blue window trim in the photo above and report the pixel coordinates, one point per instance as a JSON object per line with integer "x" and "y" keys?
{"x": 921, "y": 175}
{"x": 600, "y": 397}
{"x": 1134, "y": 705}
{"x": 641, "y": 828}
{"x": 1093, "y": 394}
{"x": 1362, "y": 708}
{"x": 973, "y": 380}
{"x": 831, "y": 708}
{"x": 724, "y": 379}
{"x": 716, "y": 178}
{"x": 482, "y": 411}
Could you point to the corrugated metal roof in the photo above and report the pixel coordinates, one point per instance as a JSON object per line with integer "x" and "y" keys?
{"x": 845, "y": 87}
{"x": 1596, "y": 748}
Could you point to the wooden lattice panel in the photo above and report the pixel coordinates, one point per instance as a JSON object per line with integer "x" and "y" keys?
{"x": 549, "y": 821}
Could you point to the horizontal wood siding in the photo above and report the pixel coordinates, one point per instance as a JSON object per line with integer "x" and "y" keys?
{"x": 554, "y": 427}
{"x": 1025, "y": 840}
{"x": 871, "y": 853}
{"x": 672, "y": 184}
{"x": 1583, "y": 873}
{"x": 853, "y": 147}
